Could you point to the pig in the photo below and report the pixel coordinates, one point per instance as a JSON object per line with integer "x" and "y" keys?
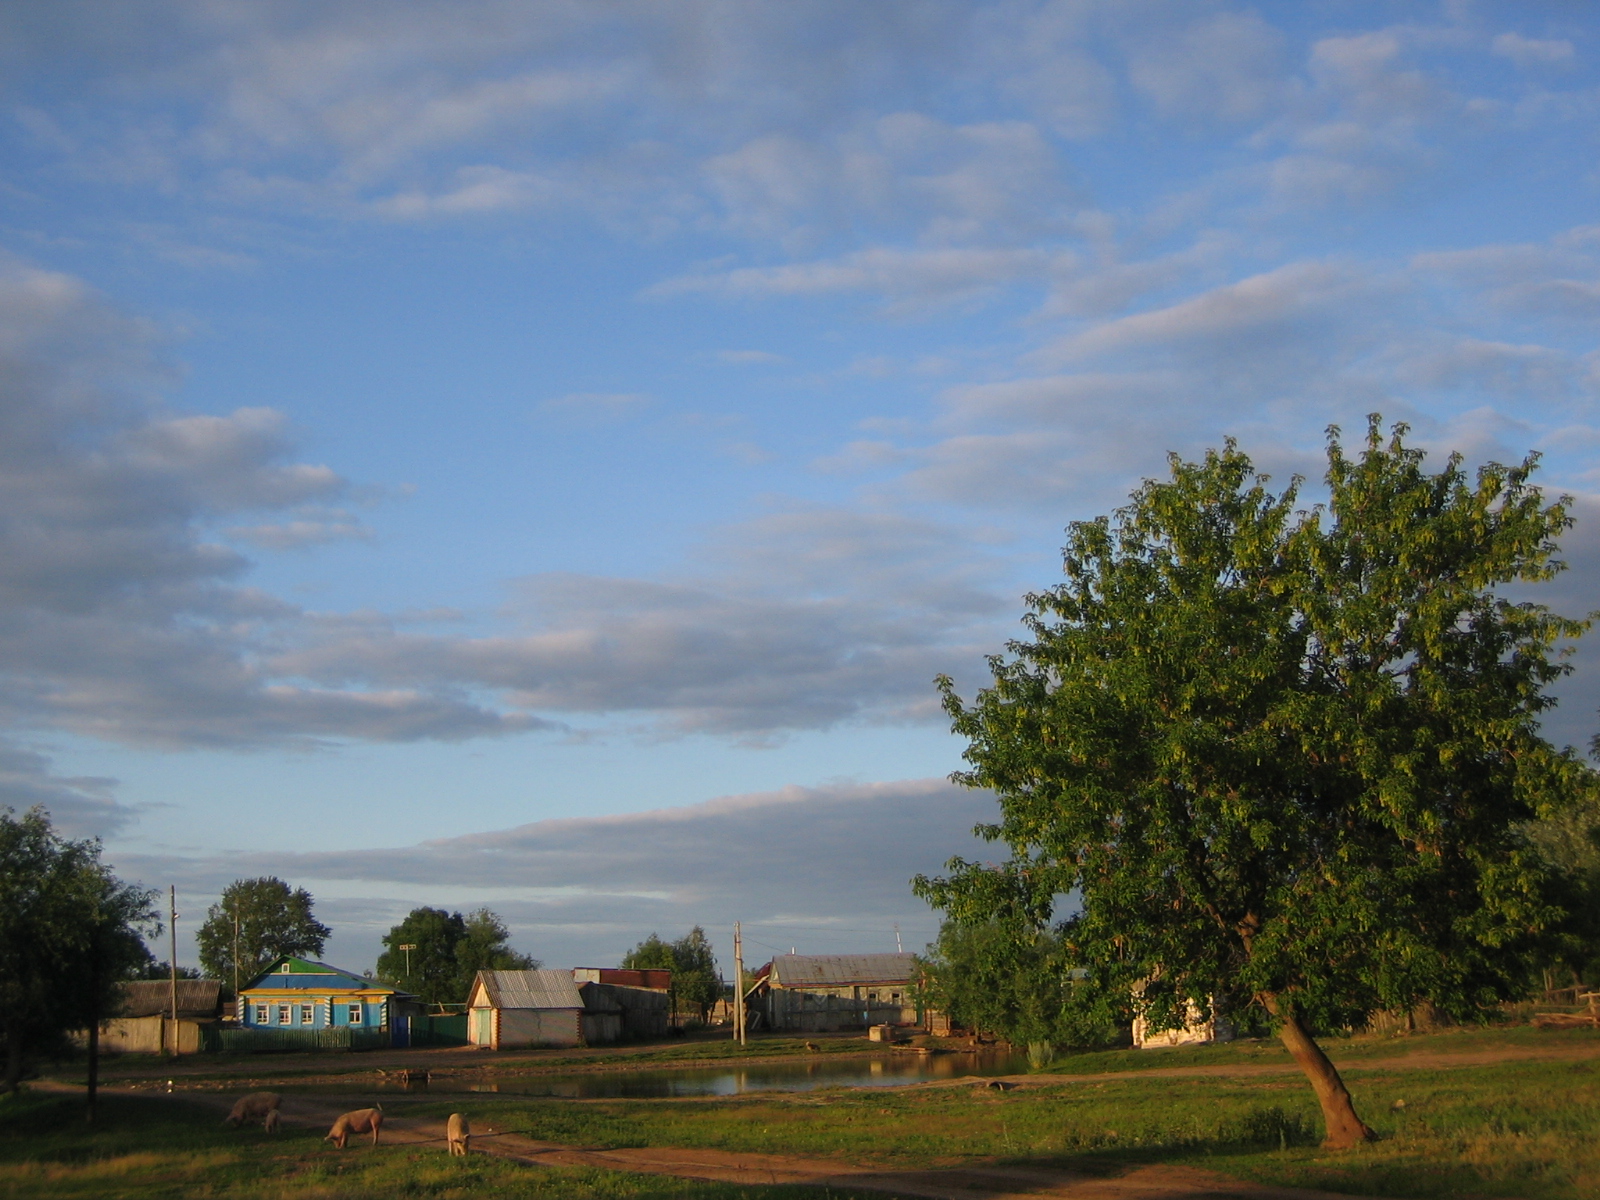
{"x": 257, "y": 1106}
{"x": 359, "y": 1121}
{"x": 458, "y": 1133}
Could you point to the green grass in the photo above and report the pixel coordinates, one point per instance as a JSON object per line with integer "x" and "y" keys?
{"x": 1518, "y": 1130}
{"x": 148, "y": 1149}
{"x": 1341, "y": 1049}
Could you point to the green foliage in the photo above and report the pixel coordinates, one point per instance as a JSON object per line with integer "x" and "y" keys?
{"x": 153, "y": 968}
{"x": 1569, "y": 839}
{"x": 70, "y": 930}
{"x": 274, "y": 920}
{"x": 1007, "y": 976}
{"x": 450, "y": 951}
{"x": 1284, "y": 757}
{"x": 696, "y": 983}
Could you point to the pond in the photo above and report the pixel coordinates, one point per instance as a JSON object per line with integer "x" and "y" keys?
{"x": 893, "y": 1071}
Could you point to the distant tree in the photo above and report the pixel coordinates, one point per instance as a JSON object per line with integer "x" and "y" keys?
{"x": 434, "y": 974}
{"x": 153, "y": 968}
{"x": 696, "y": 983}
{"x": 486, "y": 947}
{"x": 70, "y": 931}
{"x": 1010, "y": 978}
{"x": 695, "y": 980}
{"x": 274, "y": 920}
{"x": 1284, "y": 760}
{"x": 450, "y": 951}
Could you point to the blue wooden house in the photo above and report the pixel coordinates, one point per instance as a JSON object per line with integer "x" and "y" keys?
{"x": 297, "y": 993}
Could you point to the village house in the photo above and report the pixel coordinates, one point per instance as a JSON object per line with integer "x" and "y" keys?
{"x": 143, "y": 1024}
{"x": 518, "y": 1009}
{"x": 300, "y": 994}
{"x": 818, "y": 993}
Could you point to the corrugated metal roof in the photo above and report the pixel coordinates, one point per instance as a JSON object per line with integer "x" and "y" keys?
{"x": 531, "y": 989}
{"x": 149, "y": 998}
{"x": 838, "y": 970}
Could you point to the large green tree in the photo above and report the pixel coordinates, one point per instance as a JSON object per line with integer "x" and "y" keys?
{"x": 70, "y": 930}
{"x": 273, "y": 920}
{"x": 1284, "y": 758}
{"x": 696, "y": 983}
{"x": 450, "y": 951}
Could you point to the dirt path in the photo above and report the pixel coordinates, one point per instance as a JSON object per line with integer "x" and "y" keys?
{"x": 976, "y": 1181}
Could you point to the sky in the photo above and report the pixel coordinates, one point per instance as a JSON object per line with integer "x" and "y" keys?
{"x": 540, "y": 454}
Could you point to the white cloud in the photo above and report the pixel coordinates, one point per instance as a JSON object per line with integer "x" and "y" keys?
{"x": 1229, "y": 66}
{"x": 1528, "y": 52}
{"x": 120, "y": 617}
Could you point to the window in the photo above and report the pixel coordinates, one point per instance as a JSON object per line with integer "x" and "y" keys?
{"x": 305, "y": 1014}
{"x": 894, "y": 997}
{"x": 261, "y": 1014}
{"x": 355, "y": 1013}
{"x": 283, "y": 1014}
{"x": 872, "y": 997}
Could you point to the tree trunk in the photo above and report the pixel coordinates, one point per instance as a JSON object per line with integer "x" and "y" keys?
{"x": 94, "y": 1067}
{"x": 13, "y": 1071}
{"x": 1344, "y": 1128}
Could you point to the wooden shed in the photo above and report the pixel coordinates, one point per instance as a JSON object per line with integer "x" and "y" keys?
{"x": 516, "y": 1009}
{"x": 143, "y": 1024}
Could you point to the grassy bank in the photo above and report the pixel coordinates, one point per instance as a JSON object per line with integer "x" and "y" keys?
{"x": 150, "y": 1149}
{"x": 1522, "y": 1129}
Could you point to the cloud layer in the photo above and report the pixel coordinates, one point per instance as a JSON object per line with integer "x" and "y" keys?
{"x": 827, "y": 869}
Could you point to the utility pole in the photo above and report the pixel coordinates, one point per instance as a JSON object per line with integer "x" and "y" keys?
{"x": 172, "y": 928}
{"x": 898, "y": 948}
{"x": 738, "y": 984}
{"x": 408, "y": 947}
{"x": 238, "y": 1005}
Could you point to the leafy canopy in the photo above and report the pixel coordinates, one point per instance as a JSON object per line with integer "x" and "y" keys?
{"x": 1282, "y": 757}
{"x": 70, "y": 930}
{"x": 696, "y": 983}
{"x": 450, "y": 951}
{"x": 274, "y": 920}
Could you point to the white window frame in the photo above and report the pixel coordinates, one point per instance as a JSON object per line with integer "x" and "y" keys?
{"x": 263, "y": 1011}
{"x": 284, "y": 1011}
{"x": 308, "y": 1014}
{"x": 356, "y": 1013}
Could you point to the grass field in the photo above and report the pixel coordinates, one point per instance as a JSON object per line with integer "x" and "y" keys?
{"x": 148, "y": 1149}
{"x": 1527, "y": 1129}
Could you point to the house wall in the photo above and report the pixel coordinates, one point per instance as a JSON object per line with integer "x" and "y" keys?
{"x": 539, "y": 1027}
{"x": 646, "y": 1013}
{"x": 600, "y": 1029}
{"x": 822, "y": 1010}
{"x": 144, "y": 1035}
{"x": 325, "y": 1011}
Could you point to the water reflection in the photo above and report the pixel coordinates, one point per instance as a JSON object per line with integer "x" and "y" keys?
{"x": 735, "y": 1081}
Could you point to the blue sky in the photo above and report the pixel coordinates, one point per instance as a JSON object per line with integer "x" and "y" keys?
{"x": 448, "y": 444}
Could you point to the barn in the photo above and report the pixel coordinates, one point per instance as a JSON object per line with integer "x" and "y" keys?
{"x": 815, "y": 993}
{"x": 143, "y": 1022}
{"x": 518, "y": 1009}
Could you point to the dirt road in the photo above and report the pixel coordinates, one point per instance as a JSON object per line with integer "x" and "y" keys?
{"x": 970, "y": 1182}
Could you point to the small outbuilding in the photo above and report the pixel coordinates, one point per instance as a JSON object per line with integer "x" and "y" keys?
{"x": 623, "y": 1003}
{"x": 517, "y": 1009}
{"x": 144, "y": 1025}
